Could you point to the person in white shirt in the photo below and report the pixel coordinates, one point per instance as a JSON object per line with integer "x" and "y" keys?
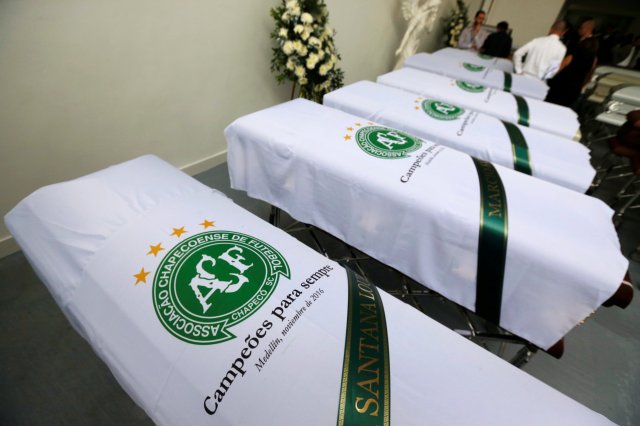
{"x": 544, "y": 54}
{"x": 473, "y": 36}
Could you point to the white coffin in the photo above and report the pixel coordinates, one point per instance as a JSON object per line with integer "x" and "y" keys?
{"x": 475, "y": 57}
{"x": 474, "y": 71}
{"x": 421, "y": 215}
{"x": 544, "y": 116}
{"x": 89, "y": 238}
{"x": 552, "y": 158}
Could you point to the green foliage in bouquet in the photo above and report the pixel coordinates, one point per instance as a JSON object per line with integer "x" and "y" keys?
{"x": 305, "y": 53}
{"x": 455, "y": 23}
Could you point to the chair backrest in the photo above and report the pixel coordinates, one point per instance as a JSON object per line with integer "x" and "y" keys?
{"x": 611, "y": 118}
{"x": 601, "y": 87}
{"x": 629, "y": 94}
{"x": 607, "y": 69}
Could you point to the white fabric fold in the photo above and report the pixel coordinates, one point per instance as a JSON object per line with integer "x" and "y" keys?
{"x": 554, "y": 159}
{"x": 474, "y": 71}
{"x": 544, "y": 116}
{"x": 475, "y": 57}
{"x": 420, "y": 214}
{"x": 89, "y": 249}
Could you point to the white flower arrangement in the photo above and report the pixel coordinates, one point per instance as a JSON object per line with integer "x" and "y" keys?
{"x": 305, "y": 53}
{"x": 455, "y": 23}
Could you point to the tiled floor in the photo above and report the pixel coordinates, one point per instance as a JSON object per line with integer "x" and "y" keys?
{"x": 49, "y": 375}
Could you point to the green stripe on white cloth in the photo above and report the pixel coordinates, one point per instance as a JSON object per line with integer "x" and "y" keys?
{"x": 365, "y": 388}
{"x": 492, "y": 242}
{"x": 523, "y": 111}
{"x": 508, "y": 81}
{"x": 521, "y": 159}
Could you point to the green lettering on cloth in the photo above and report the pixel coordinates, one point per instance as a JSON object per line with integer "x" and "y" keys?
{"x": 492, "y": 242}
{"x": 521, "y": 160}
{"x": 523, "y": 111}
{"x": 365, "y": 387}
{"x": 507, "y": 82}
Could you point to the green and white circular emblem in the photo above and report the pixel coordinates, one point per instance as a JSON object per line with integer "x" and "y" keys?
{"x": 212, "y": 281}
{"x": 470, "y": 87}
{"x": 383, "y": 142}
{"x": 441, "y": 110}
{"x": 473, "y": 67}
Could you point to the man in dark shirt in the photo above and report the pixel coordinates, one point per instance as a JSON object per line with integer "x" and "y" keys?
{"x": 499, "y": 43}
{"x": 576, "y": 68}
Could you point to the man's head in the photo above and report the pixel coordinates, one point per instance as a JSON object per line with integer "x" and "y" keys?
{"x": 502, "y": 26}
{"x": 479, "y": 19}
{"x": 586, "y": 28}
{"x": 559, "y": 28}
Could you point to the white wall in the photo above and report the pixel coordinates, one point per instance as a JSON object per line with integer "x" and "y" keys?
{"x": 89, "y": 83}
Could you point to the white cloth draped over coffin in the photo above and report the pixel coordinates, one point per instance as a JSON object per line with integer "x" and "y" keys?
{"x": 473, "y": 71}
{"x": 552, "y": 158}
{"x": 88, "y": 238}
{"x": 551, "y": 118}
{"x": 475, "y": 58}
{"x": 421, "y": 215}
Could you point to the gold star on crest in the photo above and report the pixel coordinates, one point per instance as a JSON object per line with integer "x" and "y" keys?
{"x": 141, "y": 277}
{"x": 417, "y": 108}
{"x": 207, "y": 224}
{"x": 350, "y": 129}
{"x": 178, "y": 231}
{"x": 347, "y": 137}
{"x": 358, "y": 124}
{"x": 154, "y": 250}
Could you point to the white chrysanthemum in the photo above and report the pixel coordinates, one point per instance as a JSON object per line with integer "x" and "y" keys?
{"x": 324, "y": 69}
{"x": 315, "y": 41}
{"x": 295, "y": 11}
{"x": 290, "y": 64}
{"x": 312, "y": 61}
{"x": 285, "y": 17}
{"x": 283, "y": 33}
{"x": 303, "y": 81}
{"x": 305, "y": 34}
{"x": 291, "y": 4}
{"x": 300, "y": 48}
{"x": 298, "y": 29}
{"x": 306, "y": 18}
{"x": 288, "y": 47}
{"x": 300, "y": 71}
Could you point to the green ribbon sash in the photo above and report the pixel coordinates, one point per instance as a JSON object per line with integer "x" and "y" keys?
{"x": 492, "y": 242}
{"x": 523, "y": 111}
{"x": 507, "y": 81}
{"x": 365, "y": 390}
{"x": 521, "y": 160}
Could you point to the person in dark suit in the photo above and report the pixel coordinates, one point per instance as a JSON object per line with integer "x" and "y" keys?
{"x": 576, "y": 68}
{"x": 499, "y": 43}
